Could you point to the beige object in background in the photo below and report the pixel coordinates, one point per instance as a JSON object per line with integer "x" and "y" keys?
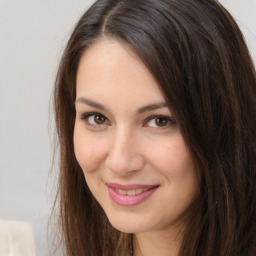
{"x": 16, "y": 238}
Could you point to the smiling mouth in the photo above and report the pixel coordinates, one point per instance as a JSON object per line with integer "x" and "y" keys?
{"x": 131, "y": 192}
{"x": 130, "y": 195}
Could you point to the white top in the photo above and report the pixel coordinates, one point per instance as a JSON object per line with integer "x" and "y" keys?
{"x": 16, "y": 238}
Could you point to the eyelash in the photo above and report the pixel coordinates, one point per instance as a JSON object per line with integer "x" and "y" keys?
{"x": 86, "y": 116}
{"x": 169, "y": 120}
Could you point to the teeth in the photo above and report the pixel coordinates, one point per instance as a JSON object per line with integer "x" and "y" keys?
{"x": 139, "y": 191}
{"x": 131, "y": 192}
{"x": 122, "y": 192}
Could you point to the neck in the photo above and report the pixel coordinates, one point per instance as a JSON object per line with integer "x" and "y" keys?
{"x": 157, "y": 243}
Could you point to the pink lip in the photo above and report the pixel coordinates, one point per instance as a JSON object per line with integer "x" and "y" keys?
{"x": 126, "y": 200}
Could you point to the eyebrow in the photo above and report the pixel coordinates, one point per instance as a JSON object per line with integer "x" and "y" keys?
{"x": 91, "y": 103}
{"x": 152, "y": 107}
{"x": 141, "y": 110}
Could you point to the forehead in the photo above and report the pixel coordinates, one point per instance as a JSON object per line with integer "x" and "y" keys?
{"x": 110, "y": 67}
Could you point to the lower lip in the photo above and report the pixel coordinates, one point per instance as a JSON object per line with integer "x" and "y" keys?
{"x": 125, "y": 200}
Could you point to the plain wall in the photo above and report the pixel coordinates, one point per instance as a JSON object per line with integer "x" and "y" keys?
{"x": 32, "y": 37}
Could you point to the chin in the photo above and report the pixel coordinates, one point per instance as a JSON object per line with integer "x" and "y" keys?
{"x": 127, "y": 229}
{"x": 128, "y": 225}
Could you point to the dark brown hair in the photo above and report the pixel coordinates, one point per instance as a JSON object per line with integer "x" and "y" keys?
{"x": 197, "y": 54}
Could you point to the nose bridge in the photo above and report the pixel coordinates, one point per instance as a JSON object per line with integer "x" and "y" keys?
{"x": 121, "y": 139}
{"x": 124, "y": 156}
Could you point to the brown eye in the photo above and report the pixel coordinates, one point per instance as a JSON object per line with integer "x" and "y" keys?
{"x": 99, "y": 119}
{"x": 160, "y": 121}
{"x": 95, "y": 119}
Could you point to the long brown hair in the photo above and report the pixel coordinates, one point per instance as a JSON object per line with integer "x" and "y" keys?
{"x": 197, "y": 54}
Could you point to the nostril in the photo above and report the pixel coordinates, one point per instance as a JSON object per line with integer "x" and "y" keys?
{"x": 123, "y": 165}
{"x": 117, "y": 164}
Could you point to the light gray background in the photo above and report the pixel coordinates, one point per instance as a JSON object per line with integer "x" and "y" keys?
{"x": 32, "y": 37}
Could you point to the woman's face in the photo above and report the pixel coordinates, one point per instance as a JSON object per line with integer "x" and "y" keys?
{"x": 128, "y": 144}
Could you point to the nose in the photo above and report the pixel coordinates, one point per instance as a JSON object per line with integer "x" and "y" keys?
{"x": 124, "y": 156}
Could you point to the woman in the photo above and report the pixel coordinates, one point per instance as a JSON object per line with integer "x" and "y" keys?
{"x": 155, "y": 112}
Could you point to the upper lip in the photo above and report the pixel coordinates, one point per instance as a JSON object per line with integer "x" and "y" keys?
{"x": 131, "y": 186}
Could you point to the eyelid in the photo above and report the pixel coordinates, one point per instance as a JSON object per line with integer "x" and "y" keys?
{"x": 168, "y": 118}
{"x": 86, "y": 116}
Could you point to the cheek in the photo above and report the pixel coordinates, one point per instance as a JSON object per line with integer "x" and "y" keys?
{"x": 175, "y": 163}
{"x": 181, "y": 178}
{"x": 172, "y": 158}
{"x": 89, "y": 151}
